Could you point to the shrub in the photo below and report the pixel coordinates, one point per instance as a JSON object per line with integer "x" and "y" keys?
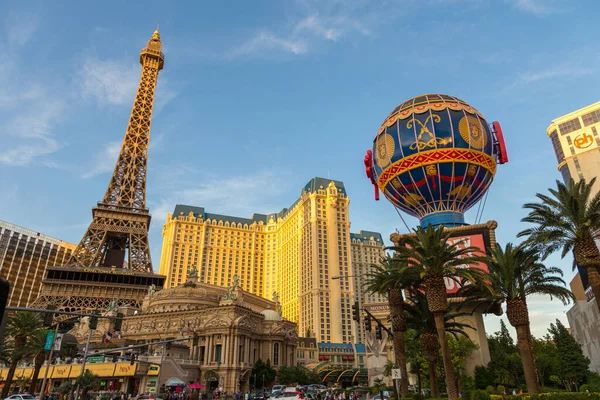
{"x": 479, "y": 395}
{"x": 584, "y": 388}
{"x": 500, "y": 389}
{"x": 490, "y": 390}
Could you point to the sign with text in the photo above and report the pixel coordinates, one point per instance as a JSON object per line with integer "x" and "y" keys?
{"x": 49, "y": 341}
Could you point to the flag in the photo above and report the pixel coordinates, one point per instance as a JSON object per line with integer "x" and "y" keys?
{"x": 108, "y": 337}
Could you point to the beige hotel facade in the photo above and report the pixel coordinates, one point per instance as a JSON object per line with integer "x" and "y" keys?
{"x": 294, "y": 253}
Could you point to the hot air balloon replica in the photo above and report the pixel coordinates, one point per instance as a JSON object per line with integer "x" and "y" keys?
{"x": 434, "y": 157}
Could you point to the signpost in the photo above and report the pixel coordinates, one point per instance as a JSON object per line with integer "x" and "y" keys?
{"x": 396, "y": 374}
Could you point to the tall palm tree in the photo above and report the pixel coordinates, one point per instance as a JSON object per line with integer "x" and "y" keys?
{"x": 515, "y": 274}
{"x": 35, "y": 348}
{"x": 19, "y": 327}
{"x": 569, "y": 220}
{"x": 421, "y": 320}
{"x": 390, "y": 278}
{"x": 431, "y": 252}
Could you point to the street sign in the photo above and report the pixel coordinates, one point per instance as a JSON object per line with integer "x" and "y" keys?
{"x": 396, "y": 374}
{"x": 49, "y": 341}
{"x": 95, "y": 359}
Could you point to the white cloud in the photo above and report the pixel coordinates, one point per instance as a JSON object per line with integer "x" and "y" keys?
{"x": 317, "y": 23}
{"x": 105, "y": 160}
{"x": 109, "y": 82}
{"x": 537, "y": 7}
{"x": 28, "y": 135}
{"x": 267, "y": 42}
{"x": 563, "y": 70}
{"x": 20, "y": 28}
{"x": 239, "y": 196}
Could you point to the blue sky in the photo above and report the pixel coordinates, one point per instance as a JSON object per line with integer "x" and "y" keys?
{"x": 257, "y": 97}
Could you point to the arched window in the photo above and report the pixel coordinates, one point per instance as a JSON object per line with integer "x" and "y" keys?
{"x": 276, "y": 354}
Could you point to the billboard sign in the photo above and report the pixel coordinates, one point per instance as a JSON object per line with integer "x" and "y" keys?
{"x": 476, "y": 240}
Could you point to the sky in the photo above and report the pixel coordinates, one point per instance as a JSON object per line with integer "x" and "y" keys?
{"x": 257, "y": 97}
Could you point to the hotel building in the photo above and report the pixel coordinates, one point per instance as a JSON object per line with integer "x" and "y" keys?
{"x": 24, "y": 256}
{"x": 576, "y": 141}
{"x": 293, "y": 253}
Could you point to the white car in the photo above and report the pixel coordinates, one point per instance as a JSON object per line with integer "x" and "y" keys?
{"x": 22, "y": 396}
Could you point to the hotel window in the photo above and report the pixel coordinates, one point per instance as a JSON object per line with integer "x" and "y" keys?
{"x": 560, "y": 155}
{"x": 569, "y": 126}
{"x": 591, "y": 118}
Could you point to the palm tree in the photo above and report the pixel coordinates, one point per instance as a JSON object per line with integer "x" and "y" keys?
{"x": 515, "y": 274}
{"x": 421, "y": 320}
{"x": 19, "y": 327}
{"x": 35, "y": 348}
{"x": 568, "y": 219}
{"x": 431, "y": 252}
{"x": 389, "y": 278}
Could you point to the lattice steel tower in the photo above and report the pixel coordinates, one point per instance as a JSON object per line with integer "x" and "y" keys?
{"x": 112, "y": 261}
{"x": 121, "y": 220}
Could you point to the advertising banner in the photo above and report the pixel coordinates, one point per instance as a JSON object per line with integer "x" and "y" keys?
{"x": 61, "y": 371}
{"x": 126, "y": 369}
{"x": 102, "y": 370}
{"x": 49, "y": 340}
{"x": 475, "y": 240}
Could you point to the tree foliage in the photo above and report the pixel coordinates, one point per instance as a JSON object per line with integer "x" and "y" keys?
{"x": 572, "y": 367}
{"x": 298, "y": 374}
{"x": 262, "y": 370}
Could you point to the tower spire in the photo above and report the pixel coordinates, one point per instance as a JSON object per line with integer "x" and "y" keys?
{"x": 121, "y": 220}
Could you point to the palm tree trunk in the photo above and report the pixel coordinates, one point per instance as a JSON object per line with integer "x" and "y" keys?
{"x": 525, "y": 349}
{"x": 36, "y": 373}
{"x": 400, "y": 353}
{"x": 448, "y": 368}
{"x": 594, "y": 278}
{"x": 396, "y": 303}
{"x": 10, "y": 376}
{"x": 434, "y": 385}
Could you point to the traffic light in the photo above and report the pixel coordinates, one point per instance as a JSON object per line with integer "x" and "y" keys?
{"x": 356, "y": 312}
{"x": 378, "y": 332}
{"x": 132, "y": 361}
{"x": 48, "y": 317}
{"x": 368, "y": 323}
{"x": 93, "y": 322}
{"x": 118, "y": 322}
{"x": 195, "y": 340}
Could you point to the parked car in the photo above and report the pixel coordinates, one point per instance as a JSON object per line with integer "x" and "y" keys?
{"x": 21, "y": 396}
{"x": 378, "y": 397}
{"x": 278, "y": 388}
{"x": 290, "y": 395}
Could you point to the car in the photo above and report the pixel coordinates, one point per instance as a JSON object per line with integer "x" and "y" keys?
{"x": 378, "y": 397}
{"x": 148, "y": 397}
{"x": 21, "y": 396}
{"x": 278, "y": 388}
{"x": 290, "y": 395}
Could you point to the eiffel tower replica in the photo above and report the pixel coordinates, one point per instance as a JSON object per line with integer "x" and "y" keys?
{"x": 111, "y": 266}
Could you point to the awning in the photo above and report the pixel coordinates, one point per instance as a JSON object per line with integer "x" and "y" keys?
{"x": 125, "y": 369}
{"x": 102, "y": 370}
{"x": 61, "y": 371}
{"x": 175, "y": 382}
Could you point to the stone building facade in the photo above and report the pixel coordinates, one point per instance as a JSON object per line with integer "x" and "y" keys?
{"x": 235, "y": 328}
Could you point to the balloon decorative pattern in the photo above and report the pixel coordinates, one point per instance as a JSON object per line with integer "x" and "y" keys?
{"x": 434, "y": 157}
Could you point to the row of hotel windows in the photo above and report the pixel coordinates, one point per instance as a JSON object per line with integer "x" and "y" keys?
{"x": 574, "y": 124}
